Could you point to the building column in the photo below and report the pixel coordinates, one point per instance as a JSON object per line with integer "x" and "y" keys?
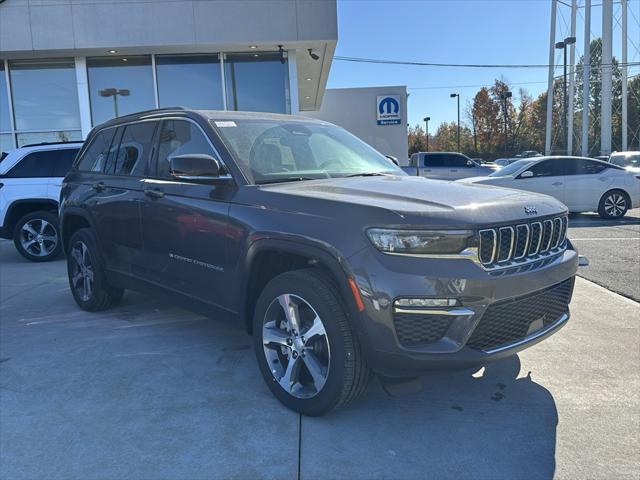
{"x": 292, "y": 64}
{"x": 607, "y": 81}
{"x": 586, "y": 75}
{"x": 82, "y": 85}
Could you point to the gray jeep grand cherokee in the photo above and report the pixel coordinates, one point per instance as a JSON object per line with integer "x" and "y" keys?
{"x": 335, "y": 260}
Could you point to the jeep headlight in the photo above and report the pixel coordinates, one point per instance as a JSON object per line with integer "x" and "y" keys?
{"x": 420, "y": 242}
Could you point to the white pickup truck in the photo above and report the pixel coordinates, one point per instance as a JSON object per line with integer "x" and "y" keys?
{"x": 446, "y": 166}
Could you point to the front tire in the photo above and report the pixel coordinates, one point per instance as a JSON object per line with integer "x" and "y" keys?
{"x": 87, "y": 278}
{"x": 613, "y": 204}
{"x": 306, "y": 351}
{"x": 36, "y": 236}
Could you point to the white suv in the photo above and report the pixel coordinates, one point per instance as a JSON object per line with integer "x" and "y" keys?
{"x": 30, "y": 181}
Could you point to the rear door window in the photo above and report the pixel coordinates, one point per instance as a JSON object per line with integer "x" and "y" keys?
{"x": 134, "y": 149}
{"x": 34, "y": 165}
{"x": 434, "y": 160}
{"x": 580, "y": 166}
{"x": 95, "y": 157}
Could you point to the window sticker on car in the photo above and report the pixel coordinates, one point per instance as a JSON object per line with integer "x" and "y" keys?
{"x": 225, "y": 123}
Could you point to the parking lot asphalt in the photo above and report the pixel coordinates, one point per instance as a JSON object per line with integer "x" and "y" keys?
{"x": 613, "y": 250}
{"x": 151, "y": 391}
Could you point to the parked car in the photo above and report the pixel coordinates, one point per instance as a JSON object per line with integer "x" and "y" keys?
{"x": 336, "y": 261}
{"x": 528, "y": 154}
{"x": 583, "y": 184}
{"x": 503, "y": 162}
{"x": 30, "y": 180}
{"x": 630, "y": 161}
{"x": 445, "y": 166}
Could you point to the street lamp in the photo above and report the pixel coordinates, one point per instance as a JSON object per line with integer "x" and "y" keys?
{"x": 114, "y": 92}
{"x": 457, "y": 95}
{"x": 563, "y": 45}
{"x": 504, "y": 96}
{"x": 426, "y": 124}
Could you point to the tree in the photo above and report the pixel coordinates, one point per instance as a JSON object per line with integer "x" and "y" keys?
{"x": 417, "y": 140}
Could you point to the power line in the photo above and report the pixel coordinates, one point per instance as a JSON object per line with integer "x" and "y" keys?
{"x": 463, "y": 65}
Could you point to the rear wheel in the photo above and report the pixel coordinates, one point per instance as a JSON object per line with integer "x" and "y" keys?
{"x": 613, "y": 204}
{"x": 36, "y": 236}
{"x": 87, "y": 278}
{"x": 307, "y": 353}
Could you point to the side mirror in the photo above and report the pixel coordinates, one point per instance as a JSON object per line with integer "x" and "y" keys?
{"x": 526, "y": 174}
{"x": 195, "y": 167}
{"x": 393, "y": 159}
{"x": 471, "y": 163}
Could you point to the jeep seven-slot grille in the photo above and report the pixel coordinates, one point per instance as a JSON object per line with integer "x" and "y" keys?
{"x": 504, "y": 246}
{"x": 508, "y": 321}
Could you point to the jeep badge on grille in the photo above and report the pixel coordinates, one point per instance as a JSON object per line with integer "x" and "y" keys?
{"x": 530, "y": 210}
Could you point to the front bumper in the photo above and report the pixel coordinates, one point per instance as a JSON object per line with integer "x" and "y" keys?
{"x": 388, "y": 344}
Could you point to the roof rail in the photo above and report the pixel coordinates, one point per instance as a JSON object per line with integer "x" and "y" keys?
{"x": 50, "y": 143}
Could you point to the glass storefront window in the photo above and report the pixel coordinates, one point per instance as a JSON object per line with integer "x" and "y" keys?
{"x": 6, "y": 142}
{"x": 5, "y": 114}
{"x": 45, "y": 95}
{"x": 256, "y": 82}
{"x": 46, "y": 137}
{"x": 133, "y": 74}
{"x": 189, "y": 81}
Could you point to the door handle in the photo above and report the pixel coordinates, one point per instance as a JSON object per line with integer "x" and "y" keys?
{"x": 153, "y": 193}
{"x": 99, "y": 186}
{"x": 556, "y": 184}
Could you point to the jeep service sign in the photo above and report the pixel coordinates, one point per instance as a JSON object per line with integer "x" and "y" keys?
{"x": 388, "y": 110}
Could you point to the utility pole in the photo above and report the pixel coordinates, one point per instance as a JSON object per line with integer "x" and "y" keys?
{"x": 457, "y": 95}
{"x": 426, "y": 124}
{"x": 504, "y": 96}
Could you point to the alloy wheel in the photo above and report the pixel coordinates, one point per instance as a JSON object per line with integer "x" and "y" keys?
{"x": 81, "y": 271}
{"x": 38, "y": 237}
{"x": 296, "y": 346}
{"x": 615, "y": 205}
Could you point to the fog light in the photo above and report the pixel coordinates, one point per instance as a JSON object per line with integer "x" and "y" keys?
{"x": 426, "y": 302}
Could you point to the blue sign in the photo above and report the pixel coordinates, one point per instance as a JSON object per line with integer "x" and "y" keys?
{"x": 388, "y": 110}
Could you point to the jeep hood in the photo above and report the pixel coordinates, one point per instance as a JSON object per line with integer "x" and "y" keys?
{"x": 413, "y": 198}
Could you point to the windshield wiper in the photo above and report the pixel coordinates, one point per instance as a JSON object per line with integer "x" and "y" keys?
{"x": 284, "y": 179}
{"x": 368, "y": 174}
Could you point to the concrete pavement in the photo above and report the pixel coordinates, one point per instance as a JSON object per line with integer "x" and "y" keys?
{"x": 151, "y": 391}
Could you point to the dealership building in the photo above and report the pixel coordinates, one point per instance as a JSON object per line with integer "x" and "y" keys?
{"x": 68, "y": 65}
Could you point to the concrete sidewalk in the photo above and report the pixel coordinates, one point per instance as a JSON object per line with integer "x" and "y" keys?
{"x": 151, "y": 391}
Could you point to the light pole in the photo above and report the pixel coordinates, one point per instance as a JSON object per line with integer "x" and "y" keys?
{"x": 457, "y": 95}
{"x": 504, "y": 96}
{"x": 426, "y": 124}
{"x": 563, "y": 45}
{"x": 114, "y": 92}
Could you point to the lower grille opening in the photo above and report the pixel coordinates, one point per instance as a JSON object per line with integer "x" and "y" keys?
{"x": 508, "y": 321}
{"x": 415, "y": 330}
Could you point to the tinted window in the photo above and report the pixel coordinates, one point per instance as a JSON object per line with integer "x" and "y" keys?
{"x": 94, "y": 157}
{"x": 179, "y": 137}
{"x": 547, "y": 168}
{"x": 134, "y": 149}
{"x": 435, "y": 160}
{"x": 51, "y": 163}
{"x": 62, "y": 161}
{"x": 578, "y": 166}
{"x": 456, "y": 161}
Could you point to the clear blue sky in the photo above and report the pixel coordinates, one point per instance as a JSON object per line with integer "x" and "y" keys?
{"x": 456, "y": 31}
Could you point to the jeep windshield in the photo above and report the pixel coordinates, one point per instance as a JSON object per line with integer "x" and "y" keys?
{"x": 272, "y": 151}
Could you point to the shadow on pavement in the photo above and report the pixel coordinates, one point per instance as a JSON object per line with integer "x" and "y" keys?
{"x": 578, "y": 220}
{"x": 459, "y": 426}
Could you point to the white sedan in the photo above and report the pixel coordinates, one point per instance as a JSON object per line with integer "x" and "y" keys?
{"x": 582, "y": 184}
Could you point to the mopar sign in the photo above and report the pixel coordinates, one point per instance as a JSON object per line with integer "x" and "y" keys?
{"x": 388, "y": 110}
